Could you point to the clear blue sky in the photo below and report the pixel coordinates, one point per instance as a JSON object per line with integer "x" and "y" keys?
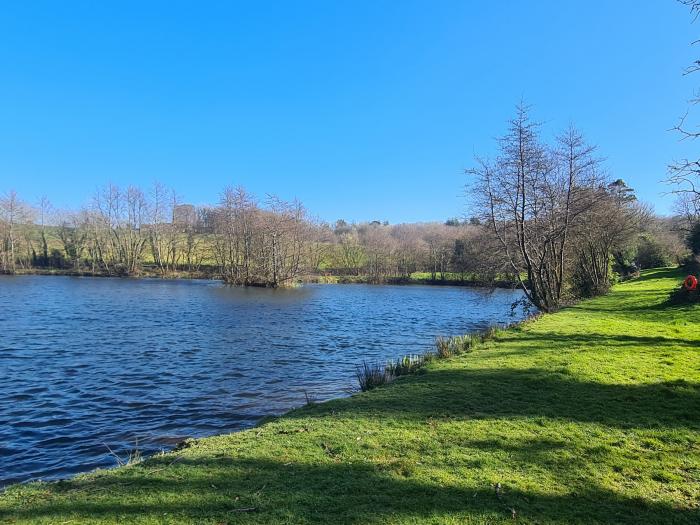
{"x": 363, "y": 110}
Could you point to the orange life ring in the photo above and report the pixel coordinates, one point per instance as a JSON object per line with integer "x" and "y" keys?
{"x": 690, "y": 283}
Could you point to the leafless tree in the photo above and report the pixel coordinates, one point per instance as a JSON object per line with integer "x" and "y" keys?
{"x": 233, "y": 242}
{"x": 440, "y": 243}
{"x": 118, "y": 219}
{"x": 318, "y": 247}
{"x": 409, "y": 249}
{"x": 14, "y": 214}
{"x": 283, "y": 241}
{"x": 163, "y": 233}
{"x": 256, "y": 246}
{"x": 72, "y": 232}
{"x": 684, "y": 174}
{"x": 531, "y": 196}
{"x": 45, "y": 210}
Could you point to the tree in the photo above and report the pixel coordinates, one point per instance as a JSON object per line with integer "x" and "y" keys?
{"x": 233, "y": 226}
{"x": 612, "y": 224}
{"x": 45, "y": 210}
{"x": 684, "y": 175}
{"x": 163, "y": 233}
{"x": 351, "y": 253}
{"x": 13, "y": 214}
{"x": 693, "y": 239}
{"x": 72, "y": 231}
{"x": 283, "y": 238}
{"x": 257, "y": 246}
{"x": 117, "y": 223}
{"x": 531, "y": 197}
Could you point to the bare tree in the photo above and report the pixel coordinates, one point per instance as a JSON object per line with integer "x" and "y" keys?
{"x": 163, "y": 233}
{"x": 283, "y": 240}
{"x": 684, "y": 174}
{"x": 256, "y": 246}
{"x": 233, "y": 242}
{"x": 377, "y": 248}
{"x": 72, "y": 231}
{"x": 14, "y": 213}
{"x": 45, "y": 210}
{"x": 530, "y": 196}
{"x": 409, "y": 249}
{"x": 318, "y": 247}
{"x": 118, "y": 219}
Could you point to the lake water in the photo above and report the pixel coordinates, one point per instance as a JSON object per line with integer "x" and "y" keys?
{"x": 92, "y": 363}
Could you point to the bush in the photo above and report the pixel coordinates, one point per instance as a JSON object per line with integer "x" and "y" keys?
{"x": 693, "y": 239}
{"x": 405, "y": 365}
{"x": 371, "y": 376}
{"x": 443, "y": 347}
{"x": 651, "y": 253}
{"x": 586, "y": 281}
{"x": 461, "y": 344}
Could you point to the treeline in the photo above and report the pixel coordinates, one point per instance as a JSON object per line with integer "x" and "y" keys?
{"x": 379, "y": 251}
{"x": 131, "y": 231}
{"x": 564, "y": 227}
{"x": 545, "y": 215}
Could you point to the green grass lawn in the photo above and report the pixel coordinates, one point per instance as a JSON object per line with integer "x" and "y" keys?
{"x": 591, "y": 415}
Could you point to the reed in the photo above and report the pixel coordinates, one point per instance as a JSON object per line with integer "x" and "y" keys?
{"x": 372, "y": 375}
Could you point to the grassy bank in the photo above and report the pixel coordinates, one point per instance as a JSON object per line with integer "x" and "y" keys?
{"x": 591, "y": 415}
{"x": 448, "y": 279}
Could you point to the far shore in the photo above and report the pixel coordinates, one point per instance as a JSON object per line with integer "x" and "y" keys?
{"x": 304, "y": 279}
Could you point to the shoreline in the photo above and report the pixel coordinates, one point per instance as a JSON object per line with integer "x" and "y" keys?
{"x": 304, "y": 279}
{"x": 462, "y": 453}
{"x": 425, "y": 358}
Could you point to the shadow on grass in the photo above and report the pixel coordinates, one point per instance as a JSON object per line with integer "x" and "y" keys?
{"x": 229, "y": 490}
{"x": 554, "y": 340}
{"x": 507, "y": 394}
{"x": 637, "y": 311}
{"x": 659, "y": 273}
{"x": 220, "y": 488}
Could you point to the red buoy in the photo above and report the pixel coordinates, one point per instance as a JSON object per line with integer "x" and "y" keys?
{"x": 690, "y": 283}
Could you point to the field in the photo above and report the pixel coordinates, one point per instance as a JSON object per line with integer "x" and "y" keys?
{"x": 590, "y": 415}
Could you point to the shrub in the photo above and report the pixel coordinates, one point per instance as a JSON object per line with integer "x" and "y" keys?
{"x": 460, "y": 344}
{"x": 371, "y": 376}
{"x": 651, "y": 253}
{"x": 443, "y": 347}
{"x": 463, "y": 343}
{"x": 407, "y": 364}
{"x": 683, "y": 296}
{"x": 693, "y": 239}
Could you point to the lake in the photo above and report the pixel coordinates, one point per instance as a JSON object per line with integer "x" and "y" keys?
{"x": 93, "y": 364}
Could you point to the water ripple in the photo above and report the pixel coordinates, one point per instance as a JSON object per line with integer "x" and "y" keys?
{"x": 90, "y": 363}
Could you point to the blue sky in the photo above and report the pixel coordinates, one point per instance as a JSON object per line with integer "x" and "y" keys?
{"x": 362, "y": 110}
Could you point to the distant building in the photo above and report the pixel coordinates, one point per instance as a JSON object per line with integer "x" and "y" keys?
{"x": 185, "y": 215}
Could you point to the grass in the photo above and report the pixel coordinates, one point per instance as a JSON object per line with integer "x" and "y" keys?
{"x": 591, "y": 415}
